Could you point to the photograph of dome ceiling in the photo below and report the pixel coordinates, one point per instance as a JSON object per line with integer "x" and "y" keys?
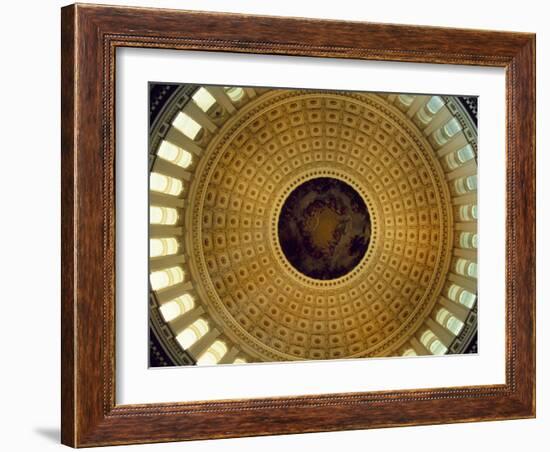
{"x": 300, "y": 224}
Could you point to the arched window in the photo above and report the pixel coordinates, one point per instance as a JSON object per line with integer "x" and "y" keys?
{"x": 162, "y": 247}
{"x": 186, "y": 125}
{"x": 235, "y": 94}
{"x": 466, "y": 184}
{"x": 466, "y": 268}
{"x": 435, "y": 104}
{"x": 454, "y": 325}
{"x": 467, "y": 298}
{"x": 432, "y": 343}
{"x": 452, "y": 128}
{"x": 186, "y": 301}
{"x": 162, "y": 215}
{"x": 468, "y": 212}
{"x": 213, "y": 354}
{"x": 176, "y": 307}
{"x": 462, "y": 296}
{"x": 465, "y": 154}
{"x": 457, "y": 158}
{"x": 468, "y": 240}
{"x": 449, "y": 321}
{"x": 426, "y": 113}
{"x": 175, "y": 154}
{"x": 192, "y": 333}
{"x": 442, "y": 135}
{"x": 165, "y": 184}
{"x": 406, "y": 99}
{"x": 166, "y": 277}
{"x": 203, "y": 99}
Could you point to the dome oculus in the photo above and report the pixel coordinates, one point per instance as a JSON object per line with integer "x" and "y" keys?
{"x": 324, "y": 228}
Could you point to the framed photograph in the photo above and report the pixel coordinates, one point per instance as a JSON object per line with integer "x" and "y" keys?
{"x": 281, "y": 225}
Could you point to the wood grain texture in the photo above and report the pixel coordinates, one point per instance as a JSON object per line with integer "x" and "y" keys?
{"x": 90, "y": 36}
{"x": 67, "y": 225}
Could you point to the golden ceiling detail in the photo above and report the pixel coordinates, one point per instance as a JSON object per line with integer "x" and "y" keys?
{"x": 277, "y": 142}
{"x": 222, "y": 288}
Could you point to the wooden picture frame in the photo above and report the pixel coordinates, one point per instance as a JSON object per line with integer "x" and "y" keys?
{"x": 90, "y": 36}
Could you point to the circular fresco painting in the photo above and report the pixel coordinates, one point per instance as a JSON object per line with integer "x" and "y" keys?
{"x": 324, "y": 228}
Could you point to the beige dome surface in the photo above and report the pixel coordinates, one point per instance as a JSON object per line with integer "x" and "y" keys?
{"x": 274, "y": 144}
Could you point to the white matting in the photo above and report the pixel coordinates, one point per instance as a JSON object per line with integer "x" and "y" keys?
{"x": 138, "y": 384}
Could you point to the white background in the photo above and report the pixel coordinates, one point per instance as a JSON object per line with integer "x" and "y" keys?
{"x": 29, "y": 393}
{"x": 137, "y": 384}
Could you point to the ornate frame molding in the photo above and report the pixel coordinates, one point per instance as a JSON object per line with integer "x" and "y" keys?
{"x": 90, "y": 36}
